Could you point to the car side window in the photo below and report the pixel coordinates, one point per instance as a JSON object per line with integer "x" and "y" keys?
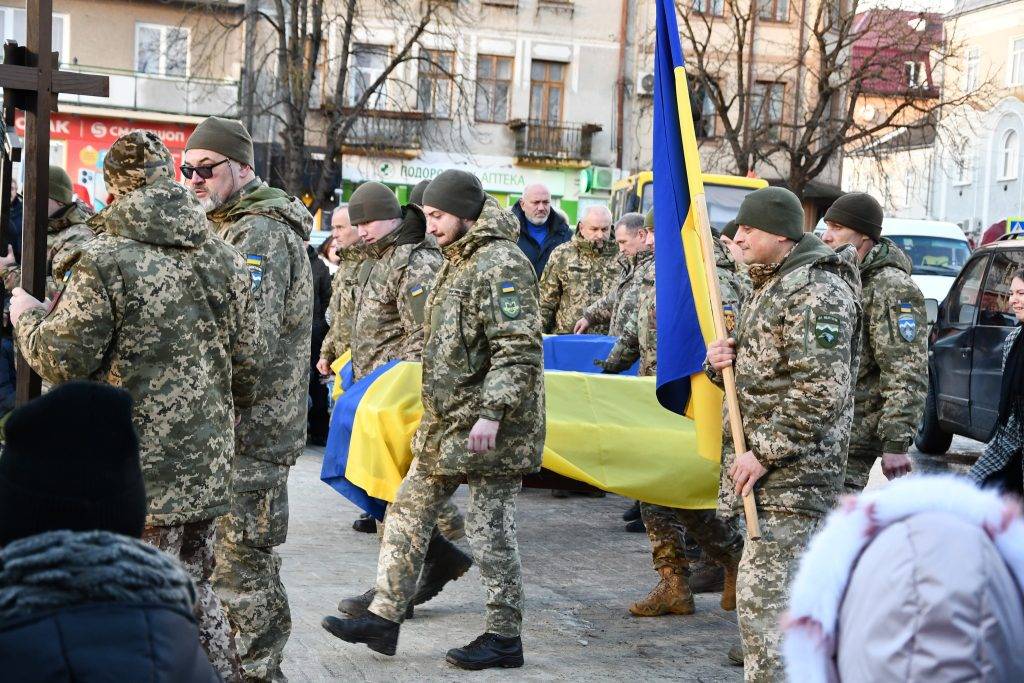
{"x": 963, "y": 299}
{"x": 995, "y": 296}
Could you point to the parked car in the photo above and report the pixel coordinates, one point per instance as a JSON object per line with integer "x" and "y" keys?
{"x": 965, "y": 348}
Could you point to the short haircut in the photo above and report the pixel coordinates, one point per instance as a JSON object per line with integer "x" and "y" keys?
{"x": 630, "y": 221}
{"x": 338, "y": 209}
{"x": 597, "y": 208}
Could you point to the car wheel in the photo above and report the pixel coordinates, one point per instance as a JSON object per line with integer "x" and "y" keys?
{"x": 931, "y": 438}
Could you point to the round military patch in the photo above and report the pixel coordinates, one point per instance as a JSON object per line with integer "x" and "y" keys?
{"x": 826, "y": 330}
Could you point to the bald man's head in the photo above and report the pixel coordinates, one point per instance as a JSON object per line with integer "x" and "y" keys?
{"x": 536, "y": 203}
{"x": 596, "y": 224}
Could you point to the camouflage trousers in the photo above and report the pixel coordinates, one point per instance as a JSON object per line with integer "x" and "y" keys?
{"x": 858, "y": 469}
{"x": 717, "y": 537}
{"x": 248, "y": 578}
{"x": 450, "y": 522}
{"x": 193, "y": 545}
{"x": 762, "y": 589}
{"x": 490, "y": 527}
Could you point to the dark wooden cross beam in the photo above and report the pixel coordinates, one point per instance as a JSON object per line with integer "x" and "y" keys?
{"x": 31, "y": 82}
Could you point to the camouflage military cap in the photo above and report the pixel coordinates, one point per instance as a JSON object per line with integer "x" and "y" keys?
{"x": 136, "y": 159}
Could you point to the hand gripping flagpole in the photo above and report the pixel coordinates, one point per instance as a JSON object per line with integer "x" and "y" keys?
{"x": 703, "y": 226}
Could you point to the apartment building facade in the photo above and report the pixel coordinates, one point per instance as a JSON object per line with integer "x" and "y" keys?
{"x": 160, "y": 77}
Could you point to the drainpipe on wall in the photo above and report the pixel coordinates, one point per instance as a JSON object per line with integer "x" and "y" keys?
{"x": 621, "y": 83}
{"x": 750, "y": 83}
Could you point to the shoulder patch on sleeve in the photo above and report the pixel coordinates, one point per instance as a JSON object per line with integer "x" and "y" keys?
{"x": 906, "y": 321}
{"x": 508, "y": 300}
{"x": 826, "y": 330}
{"x": 254, "y": 262}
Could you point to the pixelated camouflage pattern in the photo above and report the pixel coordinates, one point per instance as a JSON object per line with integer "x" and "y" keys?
{"x": 490, "y": 528}
{"x": 393, "y": 289}
{"x": 341, "y": 307}
{"x": 797, "y": 344}
{"x": 136, "y": 159}
{"x": 483, "y": 355}
{"x": 766, "y": 571}
{"x": 719, "y": 538}
{"x": 639, "y": 338}
{"x": 892, "y": 380}
{"x": 578, "y": 274}
{"x": 264, "y": 221}
{"x": 66, "y": 232}
{"x": 616, "y": 307}
{"x": 160, "y": 307}
{"x": 248, "y": 572}
{"x": 192, "y": 545}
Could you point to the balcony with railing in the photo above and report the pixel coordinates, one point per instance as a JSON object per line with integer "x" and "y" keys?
{"x": 190, "y": 96}
{"x": 547, "y": 143}
{"x": 398, "y": 133}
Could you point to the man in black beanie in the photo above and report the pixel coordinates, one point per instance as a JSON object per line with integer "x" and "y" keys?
{"x": 72, "y": 509}
{"x": 892, "y": 380}
{"x": 795, "y": 354}
{"x": 483, "y": 422}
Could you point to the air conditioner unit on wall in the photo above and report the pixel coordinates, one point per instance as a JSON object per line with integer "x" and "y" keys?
{"x": 645, "y": 83}
{"x": 603, "y": 177}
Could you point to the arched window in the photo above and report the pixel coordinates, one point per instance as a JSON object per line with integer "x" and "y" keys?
{"x": 1010, "y": 155}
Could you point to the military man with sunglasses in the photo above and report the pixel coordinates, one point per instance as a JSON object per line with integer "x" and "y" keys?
{"x": 269, "y": 228}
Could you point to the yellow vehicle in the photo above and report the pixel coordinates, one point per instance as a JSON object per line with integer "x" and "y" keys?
{"x": 722, "y": 192}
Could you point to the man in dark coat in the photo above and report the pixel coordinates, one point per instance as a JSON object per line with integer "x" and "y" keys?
{"x": 318, "y": 419}
{"x": 540, "y": 228}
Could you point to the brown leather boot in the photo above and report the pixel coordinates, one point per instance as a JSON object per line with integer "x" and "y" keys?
{"x": 729, "y": 586}
{"x": 671, "y": 596}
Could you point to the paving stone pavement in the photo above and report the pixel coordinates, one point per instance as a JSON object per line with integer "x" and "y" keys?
{"x": 581, "y": 571}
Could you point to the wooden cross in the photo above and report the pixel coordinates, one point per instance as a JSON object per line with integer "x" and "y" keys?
{"x": 31, "y": 82}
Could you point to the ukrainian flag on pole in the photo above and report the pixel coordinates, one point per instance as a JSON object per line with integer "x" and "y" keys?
{"x": 684, "y": 317}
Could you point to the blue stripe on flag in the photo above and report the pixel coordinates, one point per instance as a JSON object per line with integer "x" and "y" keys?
{"x": 681, "y": 349}
{"x": 339, "y": 437}
{"x": 577, "y": 352}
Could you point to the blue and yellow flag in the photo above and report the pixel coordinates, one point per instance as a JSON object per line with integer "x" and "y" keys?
{"x": 684, "y": 318}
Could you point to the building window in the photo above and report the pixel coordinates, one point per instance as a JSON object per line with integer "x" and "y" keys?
{"x": 1017, "y": 62}
{"x": 161, "y": 50}
{"x": 766, "y": 101}
{"x": 1010, "y": 156}
{"x": 434, "y": 85}
{"x": 702, "y": 107}
{"x": 365, "y": 65}
{"x": 493, "y": 83}
{"x": 971, "y": 66}
{"x": 963, "y": 166}
{"x": 711, "y": 7}
{"x": 773, "y": 10}
{"x": 12, "y": 27}
{"x": 547, "y": 86}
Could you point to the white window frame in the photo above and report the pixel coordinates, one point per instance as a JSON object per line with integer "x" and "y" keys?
{"x": 163, "y": 28}
{"x": 63, "y": 48}
{"x": 1015, "y": 63}
{"x": 1009, "y": 157}
{"x": 378, "y": 101}
{"x": 972, "y": 66}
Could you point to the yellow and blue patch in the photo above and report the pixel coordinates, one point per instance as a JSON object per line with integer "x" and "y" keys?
{"x": 416, "y": 290}
{"x": 254, "y": 262}
{"x": 906, "y": 322}
{"x": 508, "y": 300}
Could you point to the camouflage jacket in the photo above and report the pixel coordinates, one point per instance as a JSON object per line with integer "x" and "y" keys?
{"x": 639, "y": 338}
{"x": 157, "y": 305}
{"x": 269, "y": 228}
{"x": 578, "y": 274}
{"x": 393, "y": 288}
{"x": 342, "y": 304}
{"x": 65, "y": 235}
{"x": 893, "y": 377}
{"x": 483, "y": 355}
{"x": 797, "y": 344}
{"x": 615, "y": 308}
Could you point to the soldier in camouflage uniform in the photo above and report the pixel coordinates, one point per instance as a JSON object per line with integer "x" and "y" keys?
{"x": 269, "y": 228}
{"x": 719, "y": 538}
{"x": 892, "y": 381}
{"x": 616, "y": 307}
{"x": 579, "y": 273}
{"x": 66, "y": 232}
{"x": 154, "y": 272}
{"x": 483, "y": 421}
{"x": 795, "y": 355}
{"x": 343, "y": 291}
{"x": 402, "y": 261}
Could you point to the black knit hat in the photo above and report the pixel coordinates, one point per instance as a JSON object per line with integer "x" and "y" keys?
{"x": 416, "y": 196}
{"x": 71, "y": 461}
{"x": 775, "y": 210}
{"x": 456, "y": 192}
{"x": 373, "y": 201}
{"x": 858, "y": 211}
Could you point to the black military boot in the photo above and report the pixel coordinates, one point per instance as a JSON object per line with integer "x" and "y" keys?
{"x": 706, "y": 576}
{"x": 632, "y": 513}
{"x": 359, "y": 606}
{"x": 366, "y": 524}
{"x": 377, "y": 633}
{"x": 487, "y": 652}
{"x": 443, "y": 562}
{"x": 636, "y": 526}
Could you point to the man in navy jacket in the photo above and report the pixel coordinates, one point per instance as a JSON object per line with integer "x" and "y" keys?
{"x": 540, "y": 228}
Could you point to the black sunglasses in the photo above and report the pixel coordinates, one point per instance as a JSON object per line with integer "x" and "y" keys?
{"x": 205, "y": 172}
